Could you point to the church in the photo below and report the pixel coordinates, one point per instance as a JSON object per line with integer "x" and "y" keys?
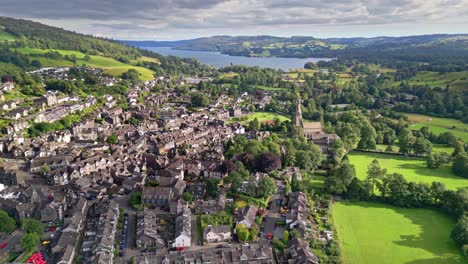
{"x": 313, "y": 130}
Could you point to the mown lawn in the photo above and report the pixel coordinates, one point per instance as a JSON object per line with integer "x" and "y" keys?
{"x": 378, "y": 233}
{"x": 110, "y": 65}
{"x": 440, "y": 125}
{"x": 261, "y": 116}
{"x": 411, "y": 168}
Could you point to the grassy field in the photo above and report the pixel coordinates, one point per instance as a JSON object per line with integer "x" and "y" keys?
{"x": 411, "y": 168}
{"x": 456, "y": 80}
{"x": 267, "y": 88}
{"x": 378, "y": 233}
{"x": 436, "y": 148}
{"x": 4, "y": 36}
{"x": 262, "y": 117}
{"x": 439, "y": 125}
{"x": 110, "y": 65}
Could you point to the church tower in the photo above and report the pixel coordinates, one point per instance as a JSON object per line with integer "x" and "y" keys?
{"x": 297, "y": 118}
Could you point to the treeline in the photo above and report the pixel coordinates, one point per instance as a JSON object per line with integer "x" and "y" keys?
{"x": 396, "y": 190}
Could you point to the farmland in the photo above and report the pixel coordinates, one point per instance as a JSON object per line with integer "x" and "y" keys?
{"x": 378, "y": 233}
{"x": 455, "y": 80}
{"x": 439, "y": 125}
{"x": 110, "y": 66}
{"x": 412, "y": 169}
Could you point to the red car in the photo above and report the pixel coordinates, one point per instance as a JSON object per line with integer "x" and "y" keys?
{"x": 269, "y": 236}
{"x": 180, "y": 248}
{"x": 3, "y": 245}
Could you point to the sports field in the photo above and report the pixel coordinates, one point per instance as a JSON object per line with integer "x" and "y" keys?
{"x": 378, "y": 233}
{"x": 411, "y": 168}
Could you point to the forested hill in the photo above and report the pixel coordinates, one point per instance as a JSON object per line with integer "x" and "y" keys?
{"x": 379, "y": 49}
{"x": 30, "y": 45}
{"x": 37, "y": 35}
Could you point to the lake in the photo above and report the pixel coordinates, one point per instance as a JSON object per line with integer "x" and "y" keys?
{"x": 218, "y": 60}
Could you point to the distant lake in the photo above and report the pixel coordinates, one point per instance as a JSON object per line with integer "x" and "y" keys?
{"x": 218, "y": 60}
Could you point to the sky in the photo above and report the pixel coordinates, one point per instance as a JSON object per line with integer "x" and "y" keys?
{"x": 186, "y": 19}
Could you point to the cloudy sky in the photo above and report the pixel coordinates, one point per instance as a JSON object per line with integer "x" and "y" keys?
{"x": 184, "y": 19}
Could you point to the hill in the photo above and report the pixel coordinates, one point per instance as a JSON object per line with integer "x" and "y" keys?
{"x": 409, "y": 48}
{"x": 29, "y": 45}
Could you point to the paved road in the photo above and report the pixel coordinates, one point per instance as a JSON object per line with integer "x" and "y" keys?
{"x": 14, "y": 239}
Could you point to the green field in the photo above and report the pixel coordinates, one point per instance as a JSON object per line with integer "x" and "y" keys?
{"x": 439, "y": 125}
{"x": 267, "y": 88}
{"x": 4, "y": 36}
{"x": 411, "y": 168}
{"x": 456, "y": 80}
{"x": 377, "y": 233}
{"x": 261, "y": 116}
{"x": 110, "y": 65}
{"x": 436, "y": 148}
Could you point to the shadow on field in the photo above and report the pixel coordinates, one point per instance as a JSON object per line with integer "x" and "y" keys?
{"x": 423, "y": 171}
{"x": 425, "y": 240}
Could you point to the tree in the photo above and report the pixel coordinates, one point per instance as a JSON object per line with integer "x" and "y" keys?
{"x": 460, "y": 231}
{"x": 340, "y": 178}
{"x": 8, "y": 223}
{"x": 212, "y": 187}
{"x": 266, "y": 186}
{"x": 29, "y": 241}
{"x": 268, "y": 162}
{"x": 374, "y": 174}
{"x": 406, "y": 141}
{"x": 435, "y": 160}
{"x": 459, "y": 148}
{"x": 30, "y": 225}
{"x": 422, "y": 146}
{"x": 200, "y": 100}
{"x": 135, "y": 199}
{"x": 368, "y": 136}
{"x": 253, "y": 233}
{"x": 242, "y": 232}
{"x": 254, "y": 125}
{"x": 460, "y": 165}
{"x": 188, "y": 197}
{"x": 131, "y": 75}
{"x": 112, "y": 139}
{"x": 285, "y": 236}
{"x": 295, "y": 185}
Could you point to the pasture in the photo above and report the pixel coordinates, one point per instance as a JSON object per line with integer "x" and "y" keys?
{"x": 413, "y": 169}
{"x": 4, "y": 36}
{"x": 455, "y": 80}
{"x": 439, "y": 125}
{"x": 379, "y": 233}
{"x": 110, "y": 65}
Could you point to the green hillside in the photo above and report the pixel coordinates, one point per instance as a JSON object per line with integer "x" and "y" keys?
{"x": 28, "y": 45}
{"x": 110, "y": 65}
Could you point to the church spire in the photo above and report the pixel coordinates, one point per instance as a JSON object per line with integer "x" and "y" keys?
{"x": 297, "y": 119}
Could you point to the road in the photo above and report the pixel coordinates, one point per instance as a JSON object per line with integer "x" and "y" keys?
{"x": 14, "y": 239}
{"x": 269, "y": 222}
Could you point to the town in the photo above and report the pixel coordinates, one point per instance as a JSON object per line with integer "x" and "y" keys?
{"x": 151, "y": 183}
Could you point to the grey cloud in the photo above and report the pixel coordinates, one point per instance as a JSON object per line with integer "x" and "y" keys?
{"x": 118, "y": 18}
